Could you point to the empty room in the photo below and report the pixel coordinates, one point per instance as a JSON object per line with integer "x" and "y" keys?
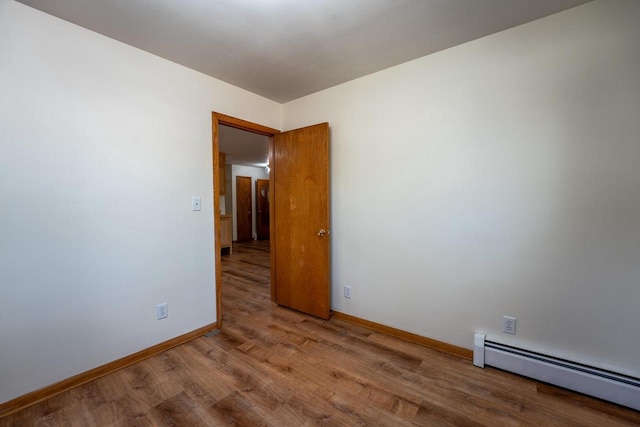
{"x": 441, "y": 226}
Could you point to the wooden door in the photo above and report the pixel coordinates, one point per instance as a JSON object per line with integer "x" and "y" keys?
{"x": 300, "y": 229}
{"x": 244, "y": 218}
{"x": 262, "y": 209}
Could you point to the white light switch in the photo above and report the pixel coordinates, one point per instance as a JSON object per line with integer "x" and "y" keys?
{"x": 195, "y": 203}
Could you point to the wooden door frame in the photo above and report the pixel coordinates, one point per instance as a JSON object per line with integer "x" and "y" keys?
{"x": 218, "y": 119}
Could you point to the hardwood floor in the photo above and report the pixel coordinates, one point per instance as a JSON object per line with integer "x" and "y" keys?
{"x": 270, "y": 366}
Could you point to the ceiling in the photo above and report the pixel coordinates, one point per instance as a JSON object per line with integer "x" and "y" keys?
{"x": 242, "y": 147}
{"x": 286, "y": 49}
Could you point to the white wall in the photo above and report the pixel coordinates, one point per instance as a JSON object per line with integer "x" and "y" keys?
{"x": 255, "y": 173}
{"x": 102, "y": 147}
{"x": 513, "y": 163}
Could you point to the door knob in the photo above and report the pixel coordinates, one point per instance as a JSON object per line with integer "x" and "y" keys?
{"x": 322, "y": 232}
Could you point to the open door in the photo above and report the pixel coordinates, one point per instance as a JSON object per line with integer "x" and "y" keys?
{"x": 300, "y": 228}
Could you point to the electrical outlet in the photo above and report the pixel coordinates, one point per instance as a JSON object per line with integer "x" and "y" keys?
{"x": 509, "y": 325}
{"x": 162, "y": 310}
{"x": 347, "y": 292}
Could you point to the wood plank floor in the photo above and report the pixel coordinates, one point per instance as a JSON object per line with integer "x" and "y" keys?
{"x": 274, "y": 367}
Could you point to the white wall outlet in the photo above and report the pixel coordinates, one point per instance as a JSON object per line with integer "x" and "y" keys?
{"x": 196, "y": 204}
{"x": 162, "y": 310}
{"x": 509, "y": 325}
{"x": 347, "y": 292}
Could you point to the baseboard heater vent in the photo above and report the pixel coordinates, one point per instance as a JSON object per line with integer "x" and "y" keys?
{"x": 616, "y": 388}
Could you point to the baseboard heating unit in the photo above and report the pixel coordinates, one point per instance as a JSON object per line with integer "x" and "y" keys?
{"x": 605, "y": 385}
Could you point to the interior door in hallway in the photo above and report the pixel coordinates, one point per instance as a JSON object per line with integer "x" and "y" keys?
{"x": 244, "y": 217}
{"x": 262, "y": 209}
{"x": 300, "y": 205}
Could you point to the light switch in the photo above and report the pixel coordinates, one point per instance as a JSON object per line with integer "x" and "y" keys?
{"x": 195, "y": 203}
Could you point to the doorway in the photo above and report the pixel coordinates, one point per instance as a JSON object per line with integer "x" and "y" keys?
{"x": 299, "y": 251}
{"x": 219, "y": 121}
